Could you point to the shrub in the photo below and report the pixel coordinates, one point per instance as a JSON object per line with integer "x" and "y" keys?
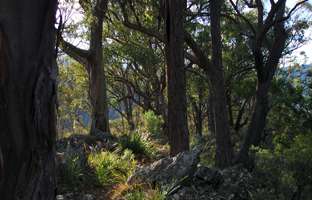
{"x": 118, "y": 127}
{"x": 73, "y": 172}
{"x": 111, "y": 168}
{"x": 152, "y": 123}
{"x": 137, "y": 192}
{"x": 137, "y": 144}
{"x": 286, "y": 169}
{"x": 145, "y": 195}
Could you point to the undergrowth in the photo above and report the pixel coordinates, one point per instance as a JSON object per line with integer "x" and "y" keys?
{"x": 138, "y": 145}
{"x": 136, "y": 192}
{"x": 111, "y": 168}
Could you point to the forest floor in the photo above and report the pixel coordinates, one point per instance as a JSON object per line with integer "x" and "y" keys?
{"x": 136, "y": 168}
{"x": 78, "y": 180}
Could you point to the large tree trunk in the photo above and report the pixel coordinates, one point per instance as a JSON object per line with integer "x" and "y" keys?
{"x": 92, "y": 59}
{"x": 98, "y": 91}
{"x": 257, "y": 123}
{"x": 224, "y": 151}
{"x": 265, "y": 72}
{"x": 27, "y": 100}
{"x": 210, "y": 111}
{"x": 177, "y": 108}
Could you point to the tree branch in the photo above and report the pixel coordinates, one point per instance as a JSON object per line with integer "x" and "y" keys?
{"x": 76, "y": 53}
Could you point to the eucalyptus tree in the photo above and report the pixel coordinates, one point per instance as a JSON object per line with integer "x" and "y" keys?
{"x": 268, "y": 40}
{"x": 176, "y": 83}
{"x": 92, "y": 60}
{"x": 224, "y": 151}
{"x": 196, "y": 54}
{"x": 136, "y": 71}
{"x": 197, "y": 94}
{"x": 27, "y": 99}
{"x": 174, "y": 16}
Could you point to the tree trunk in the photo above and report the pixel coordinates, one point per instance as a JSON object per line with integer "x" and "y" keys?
{"x": 257, "y": 124}
{"x": 265, "y": 73}
{"x": 224, "y": 151}
{"x": 199, "y": 124}
{"x": 98, "y": 90}
{"x": 177, "y": 108}
{"x": 92, "y": 59}
{"x": 129, "y": 113}
{"x": 27, "y": 100}
{"x": 211, "y": 121}
{"x": 198, "y": 110}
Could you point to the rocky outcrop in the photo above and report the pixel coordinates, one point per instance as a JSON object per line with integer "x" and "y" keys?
{"x": 72, "y": 196}
{"x": 183, "y": 179}
{"x": 213, "y": 184}
{"x": 169, "y": 169}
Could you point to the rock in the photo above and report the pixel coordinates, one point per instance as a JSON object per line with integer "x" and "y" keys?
{"x": 103, "y": 135}
{"x": 60, "y": 197}
{"x": 72, "y": 196}
{"x": 237, "y": 183}
{"x": 205, "y": 175}
{"x": 213, "y": 184}
{"x": 169, "y": 169}
{"x": 181, "y": 178}
{"x": 88, "y": 197}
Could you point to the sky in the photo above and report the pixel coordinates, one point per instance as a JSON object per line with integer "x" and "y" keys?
{"x": 307, "y": 47}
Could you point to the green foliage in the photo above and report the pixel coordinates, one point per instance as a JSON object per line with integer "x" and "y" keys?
{"x": 284, "y": 169}
{"x": 73, "y": 171}
{"x": 142, "y": 195}
{"x": 292, "y": 103}
{"x": 111, "y": 168}
{"x": 72, "y": 97}
{"x": 152, "y": 123}
{"x": 299, "y": 159}
{"x": 137, "y": 192}
{"x": 137, "y": 144}
{"x": 118, "y": 127}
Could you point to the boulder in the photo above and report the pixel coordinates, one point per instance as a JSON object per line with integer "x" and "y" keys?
{"x": 72, "y": 196}
{"x": 213, "y": 184}
{"x": 169, "y": 169}
{"x": 181, "y": 177}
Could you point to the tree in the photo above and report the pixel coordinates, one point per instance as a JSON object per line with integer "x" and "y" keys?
{"x": 73, "y": 98}
{"x": 197, "y": 54}
{"x": 197, "y": 92}
{"x": 136, "y": 71}
{"x": 177, "y": 107}
{"x": 224, "y": 151}
{"x": 92, "y": 59}
{"x": 27, "y": 97}
{"x": 267, "y": 44}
